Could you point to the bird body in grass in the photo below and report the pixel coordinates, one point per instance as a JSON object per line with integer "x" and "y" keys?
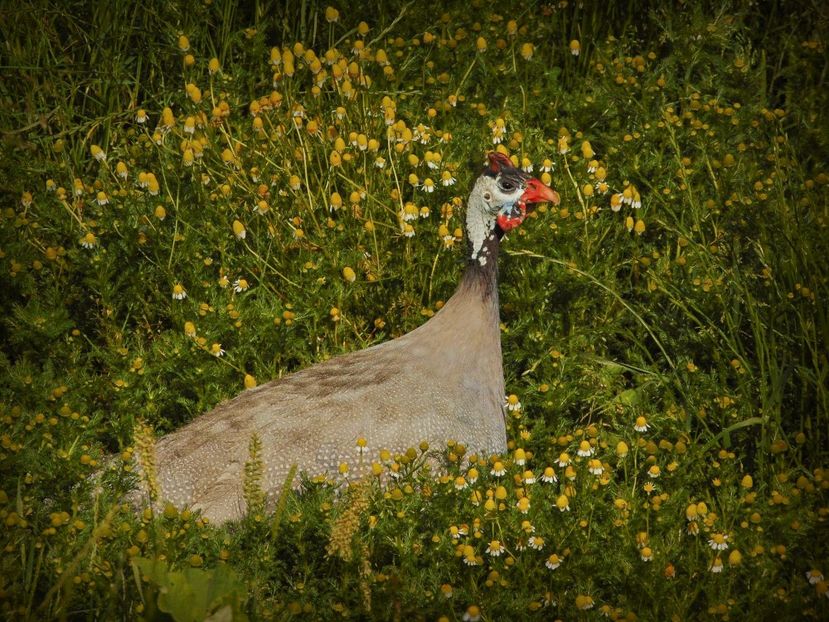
{"x": 444, "y": 380}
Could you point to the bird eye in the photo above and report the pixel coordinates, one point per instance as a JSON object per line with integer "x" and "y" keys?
{"x": 506, "y": 186}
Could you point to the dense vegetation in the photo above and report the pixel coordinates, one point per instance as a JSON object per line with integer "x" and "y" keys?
{"x": 198, "y": 197}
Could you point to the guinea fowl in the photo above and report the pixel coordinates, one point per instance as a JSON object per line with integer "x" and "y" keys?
{"x": 441, "y": 381}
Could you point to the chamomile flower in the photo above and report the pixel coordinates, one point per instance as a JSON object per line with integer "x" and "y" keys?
{"x": 520, "y": 457}
{"x": 584, "y": 602}
{"x": 447, "y": 590}
{"x": 563, "y": 503}
{"x": 553, "y": 561}
{"x": 473, "y": 614}
{"x": 217, "y": 350}
{"x": 460, "y": 482}
{"x": 189, "y": 329}
{"x": 523, "y": 505}
{"x": 240, "y": 285}
{"x": 98, "y": 153}
{"x": 716, "y": 565}
{"x": 472, "y": 475}
{"x": 179, "y": 293}
{"x": 563, "y": 459}
{"x": 495, "y": 548}
{"x": 529, "y": 477}
{"x": 469, "y": 557}
{"x": 141, "y": 116}
{"x": 89, "y": 240}
{"x": 575, "y": 47}
{"x": 447, "y": 179}
{"x": 102, "y": 198}
{"x": 239, "y": 230}
{"x": 547, "y": 166}
{"x": 595, "y": 467}
{"x": 526, "y": 165}
{"x": 536, "y": 542}
{"x": 641, "y": 424}
{"x": 549, "y": 476}
{"x": 646, "y": 554}
{"x": 498, "y": 469}
{"x": 380, "y": 162}
{"x": 718, "y": 541}
{"x": 814, "y": 576}
{"x": 585, "y": 449}
{"x": 512, "y": 403}
{"x": 499, "y": 128}
{"x": 428, "y": 185}
{"x": 408, "y": 230}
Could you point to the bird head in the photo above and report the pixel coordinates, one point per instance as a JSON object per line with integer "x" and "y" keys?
{"x": 501, "y": 198}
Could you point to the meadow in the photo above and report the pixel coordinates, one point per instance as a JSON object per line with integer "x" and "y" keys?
{"x": 197, "y": 197}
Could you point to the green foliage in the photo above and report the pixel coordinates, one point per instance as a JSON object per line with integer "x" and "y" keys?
{"x": 194, "y": 594}
{"x": 198, "y": 196}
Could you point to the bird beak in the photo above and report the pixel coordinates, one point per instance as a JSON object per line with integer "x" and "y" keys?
{"x": 537, "y": 192}
{"x": 513, "y": 214}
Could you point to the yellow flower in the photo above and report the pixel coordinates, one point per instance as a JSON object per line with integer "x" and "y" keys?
{"x": 473, "y": 613}
{"x": 349, "y": 274}
{"x": 250, "y": 381}
{"x": 563, "y": 503}
{"x": 331, "y": 15}
{"x": 639, "y": 228}
{"x": 585, "y": 449}
{"x": 575, "y": 47}
{"x": 190, "y": 329}
{"x": 553, "y": 561}
{"x": 583, "y": 601}
{"x": 179, "y": 293}
{"x": 213, "y": 66}
{"x": 495, "y": 548}
{"x": 216, "y": 350}
{"x": 193, "y": 92}
{"x": 239, "y": 230}
{"x": 168, "y": 120}
{"x": 89, "y": 240}
{"x": 183, "y": 43}
{"x": 98, "y": 153}
{"x": 527, "y": 50}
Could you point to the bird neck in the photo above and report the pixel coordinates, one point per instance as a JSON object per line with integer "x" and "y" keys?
{"x": 481, "y": 271}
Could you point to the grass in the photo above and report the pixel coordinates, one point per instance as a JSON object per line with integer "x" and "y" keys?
{"x": 669, "y": 359}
